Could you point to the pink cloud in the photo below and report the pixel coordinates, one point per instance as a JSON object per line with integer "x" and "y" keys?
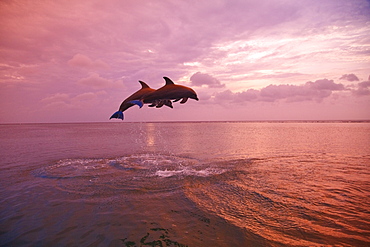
{"x": 62, "y": 53}
{"x": 309, "y": 91}
{"x": 325, "y": 84}
{"x": 349, "y": 77}
{"x": 200, "y": 79}
{"x": 58, "y": 97}
{"x": 83, "y": 61}
{"x": 96, "y": 81}
{"x": 363, "y": 89}
{"x": 66, "y": 101}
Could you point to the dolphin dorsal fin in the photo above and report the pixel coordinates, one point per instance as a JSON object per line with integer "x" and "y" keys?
{"x": 143, "y": 85}
{"x": 168, "y": 81}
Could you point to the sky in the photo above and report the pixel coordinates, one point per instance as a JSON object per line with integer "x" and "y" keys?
{"x": 248, "y": 60}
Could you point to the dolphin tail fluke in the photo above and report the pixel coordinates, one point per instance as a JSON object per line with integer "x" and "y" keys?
{"x": 137, "y": 102}
{"x": 118, "y": 115}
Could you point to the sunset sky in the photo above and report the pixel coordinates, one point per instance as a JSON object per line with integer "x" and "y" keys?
{"x": 76, "y": 61}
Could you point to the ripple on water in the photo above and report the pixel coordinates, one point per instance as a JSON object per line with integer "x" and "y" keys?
{"x": 286, "y": 204}
{"x": 135, "y": 173}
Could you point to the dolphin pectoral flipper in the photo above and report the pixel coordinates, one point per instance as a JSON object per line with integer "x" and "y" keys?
{"x": 154, "y": 103}
{"x": 118, "y": 115}
{"x": 183, "y": 101}
{"x": 168, "y": 103}
{"x": 160, "y": 104}
{"x": 137, "y": 102}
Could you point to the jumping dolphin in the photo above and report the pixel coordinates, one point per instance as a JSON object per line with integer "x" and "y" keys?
{"x": 168, "y": 92}
{"x": 127, "y": 103}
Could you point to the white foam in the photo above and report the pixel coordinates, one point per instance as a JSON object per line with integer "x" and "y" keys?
{"x": 189, "y": 172}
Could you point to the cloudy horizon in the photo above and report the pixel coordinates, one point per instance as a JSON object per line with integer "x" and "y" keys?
{"x": 76, "y": 61}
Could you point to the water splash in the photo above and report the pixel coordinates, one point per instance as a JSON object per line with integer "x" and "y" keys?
{"x": 139, "y": 173}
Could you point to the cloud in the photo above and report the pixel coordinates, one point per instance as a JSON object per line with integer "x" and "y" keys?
{"x": 325, "y": 84}
{"x": 200, "y": 79}
{"x": 309, "y": 91}
{"x": 58, "y": 49}
{"x": 95, "y": 81}
{"x": 349, "y": 77}
{"x": 83, "y": 61}
{"x": 363, "y": 89}
{"x": 64, "y": 101}
{"x": 248, "y": 95}
{"x": 58, "y": 97}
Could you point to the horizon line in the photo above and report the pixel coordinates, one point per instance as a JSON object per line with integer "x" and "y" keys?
{"x": 203, "y": 121}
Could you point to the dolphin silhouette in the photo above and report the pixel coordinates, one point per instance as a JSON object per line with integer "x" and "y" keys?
{"x": 127, "y": 103}
{"x": 164, "y": 95}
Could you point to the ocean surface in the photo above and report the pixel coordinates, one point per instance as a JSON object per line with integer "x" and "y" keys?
{"x": 185, "y": 184}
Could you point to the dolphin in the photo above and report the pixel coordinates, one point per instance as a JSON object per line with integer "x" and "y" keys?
{"x": 127, "y": 103}
{"x": 164, "y": 95}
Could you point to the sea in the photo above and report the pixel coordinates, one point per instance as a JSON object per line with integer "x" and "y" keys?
{"x": 185, "y": 184}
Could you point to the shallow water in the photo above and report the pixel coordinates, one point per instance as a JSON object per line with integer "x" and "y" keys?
{"x": 185, "y": 184}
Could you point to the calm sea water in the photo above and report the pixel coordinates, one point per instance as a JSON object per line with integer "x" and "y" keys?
{"x": 185, "y": 184}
